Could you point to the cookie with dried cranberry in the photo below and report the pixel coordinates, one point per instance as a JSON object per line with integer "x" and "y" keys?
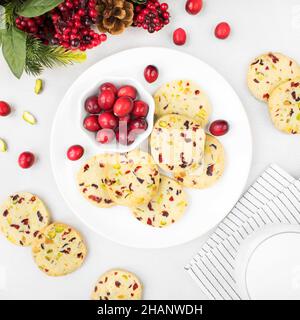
{"x": 58, "y": 249}
{"x": 267, "y": 71}
{"x": 166, "y": 207}
{"x": 284, "y": 106}
{"x": 183, "y": 97}
{"x": 22, "y": 215}
{"x": 118, "y": 285}
{"x": 132, "y": 178}
{"x": 177, "y": 143}
{"x": 90, "y": 181}
{"x": 214, "y": 160}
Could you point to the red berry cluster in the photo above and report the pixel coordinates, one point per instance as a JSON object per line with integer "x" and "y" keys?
{"x": 151, "y": 16}
{"x": 41, "y": 27}
{"x": 68, "y": 25}
{"x": 116, "y": 113}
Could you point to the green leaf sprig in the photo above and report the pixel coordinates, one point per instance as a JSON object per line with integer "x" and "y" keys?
{"x": 23, "y": 52}
{"x": 35, "y": 8}
{"x": 14, "y": 50}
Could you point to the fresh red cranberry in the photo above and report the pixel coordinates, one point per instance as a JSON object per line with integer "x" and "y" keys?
{"x": 151, "y": 74}
{"x": 106, "y": 99}
{"x": 107, "y": 120}
{"x": 138, "y": 124}
{"x": 5, "y": 109}
{"x": 103, "y": 37}
{"x": 91, "y": 105}
{"x": 75, "y": 152}
{"x": 222, "y": 30}
{"x": 179, "y": 37}
{"x": 140, "y": 109}
{"x": 105, "y": 136}
{"x": 127, "y": 91}
{"x": 123, "y": 106}
{"x": 90, "y": 123}
{"x": 164, "y": 6}
{"x": 193, "y": 6}
{"x": 219, "y": 127}
{"x": 26, "y": 160}
{"x": 109, "y": 86}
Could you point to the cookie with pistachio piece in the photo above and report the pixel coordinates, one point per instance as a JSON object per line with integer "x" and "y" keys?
{"x": 183, "y": 97}
{"x": 284, "y": 106}
{"x": 269, "y": 70}
{"x": 118, "y": 285}
{"x": 58, "y": 249}
{"x": 132, "y": 178}
{"x": 90, "y": 181}
{"x": 177, "y": 143}
{"x": 22, "y": 215}
{"x": 166, "y": 207}
{"x": 214, "y": 160}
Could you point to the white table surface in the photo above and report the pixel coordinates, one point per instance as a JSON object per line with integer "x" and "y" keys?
{"x": 257, "y": 26}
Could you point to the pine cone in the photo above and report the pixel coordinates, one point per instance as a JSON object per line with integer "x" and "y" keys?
{"x": 115, "y": 15}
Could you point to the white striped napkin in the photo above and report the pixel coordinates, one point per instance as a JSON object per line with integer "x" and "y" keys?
{"x": 273, "y": 198}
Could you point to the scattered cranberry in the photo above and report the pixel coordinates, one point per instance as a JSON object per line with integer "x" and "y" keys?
{"x": 26, "y": 159}
{"x": 91, "y": 105}
{"x": 193, "y": 6}
{"x": 123, "y": 106}
{"x": 75, "y": 152}
{"x": 151, "y": 74}
{"x": 219, "y": 127}
{"x": 105, "y": 136}
{"x": 107, "y": 120}
{"x": 4, "y": 109}
{"x": 179, "y": 37}
{"x": 140, "y": 109}
{"x": 138, "y": 124}
{"x": 90, "y": 123}
{"x": 109, "y": 86}
{"x": 222, "y": 30}
{"x": 127, "y": 91}
{"x": 106, "y": 99}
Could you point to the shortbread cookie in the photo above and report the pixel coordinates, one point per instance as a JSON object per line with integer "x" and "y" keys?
{"x": 177, "y": 142}
{"x": 214, "y": 160}
{"x": 90, "y": 180}
{"x": 58, "y": 249}
{"x": 284, "y": 106}
{"x": 167, "y": 206}
{"x": 268, "y": 71}
{"x": 132, "y": 178}
{"x": 118, "y": 285}
{"x": 183, "y": 97}
{"x": 22, "y": 215}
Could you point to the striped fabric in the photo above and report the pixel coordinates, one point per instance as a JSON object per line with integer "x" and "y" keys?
{"x": 273, "y": 198}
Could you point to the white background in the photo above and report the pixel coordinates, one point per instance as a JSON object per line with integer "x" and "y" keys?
{"x": 257, "y": 26}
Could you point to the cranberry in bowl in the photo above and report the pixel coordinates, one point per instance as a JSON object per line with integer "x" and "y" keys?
{"x": 118, "y": 104}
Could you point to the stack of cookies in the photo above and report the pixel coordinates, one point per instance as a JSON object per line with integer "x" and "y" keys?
{"x": 275, "y": 79}
{"x": 180, "y": 148}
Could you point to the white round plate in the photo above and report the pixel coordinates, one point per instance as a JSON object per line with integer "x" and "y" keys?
{"x": 206, "y": 207}
{"x": 268, "y": 264}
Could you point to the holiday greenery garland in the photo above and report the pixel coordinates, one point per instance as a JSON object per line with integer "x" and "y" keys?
{"x": 39, "y": 34}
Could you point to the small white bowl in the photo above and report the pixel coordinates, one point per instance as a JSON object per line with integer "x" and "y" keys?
{"x": 114, "y": 146}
